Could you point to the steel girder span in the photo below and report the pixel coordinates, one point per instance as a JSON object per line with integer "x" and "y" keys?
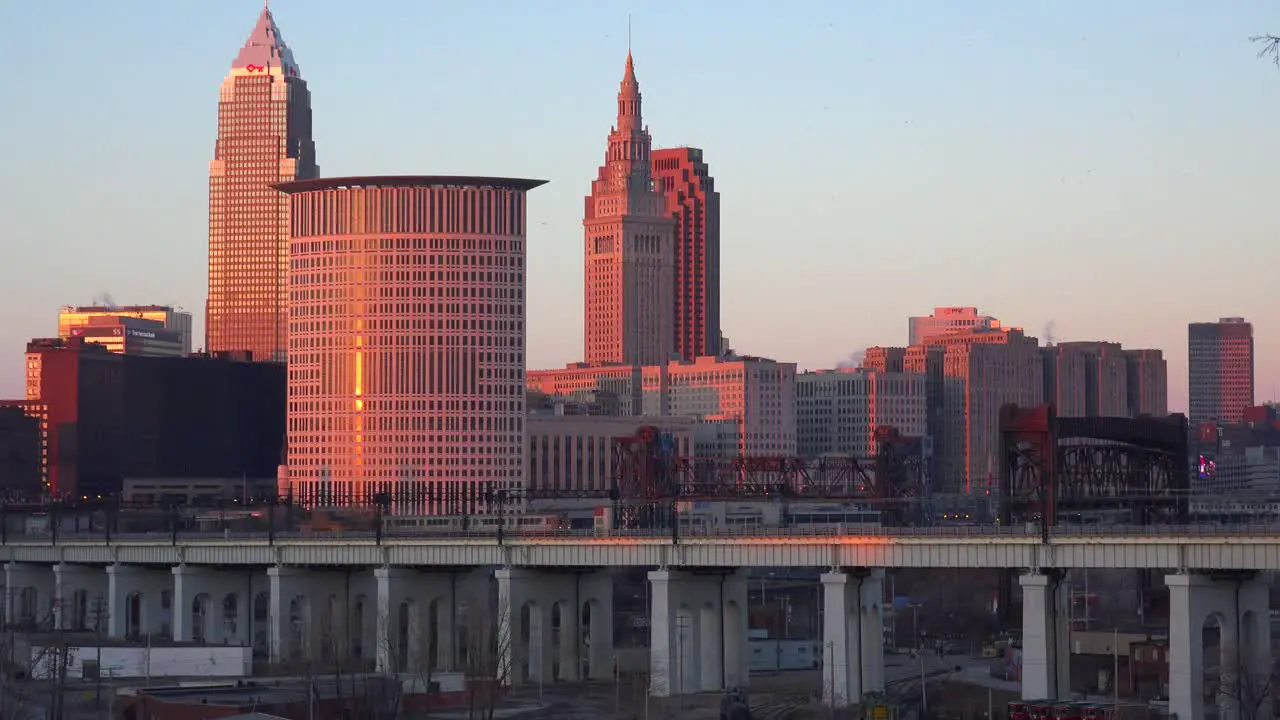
{"x": 648, "y": 471}
{"x": 1052, "y": 467}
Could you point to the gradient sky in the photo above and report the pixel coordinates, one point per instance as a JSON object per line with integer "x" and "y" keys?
{"x": 1105, "y": 166}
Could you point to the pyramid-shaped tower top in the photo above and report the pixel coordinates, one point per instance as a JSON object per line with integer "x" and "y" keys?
{"x": 629, "y": 81}
{"x": 265, "y": 50}
{"x": 629, "y": 100}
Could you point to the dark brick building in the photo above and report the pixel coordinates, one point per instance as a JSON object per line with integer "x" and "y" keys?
{"x": 20, "y": 453}
{"x": 108, "y": 416}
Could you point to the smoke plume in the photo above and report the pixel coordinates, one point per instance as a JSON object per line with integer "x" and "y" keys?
{"x": 853, "y": 361}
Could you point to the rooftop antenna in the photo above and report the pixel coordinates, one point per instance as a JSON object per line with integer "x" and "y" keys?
{"x": 628, "y": 33}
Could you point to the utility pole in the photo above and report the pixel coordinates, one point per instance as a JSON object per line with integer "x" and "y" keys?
{"x": 59, "y": 675}
{"x": 99, "y": 613}
{"x": 681, "y": 624}
{"x": 1115, "y": 673}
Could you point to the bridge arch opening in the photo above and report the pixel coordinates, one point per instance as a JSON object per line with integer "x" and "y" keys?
{"x": 734, "y": 643}
{"x": 432, "y": 650}
{"x": 357, "y": 625}
{"x": 710, "y": 650}
{"x": 1254, "y": 688}
{"x": 462, "y": 618}
{"x": 78, "y": 614}
{"x": 686, "y": 655}
{"x": 407, "y": 635}
{"x": 200, "y": 618}
{"x": 562, "y": 648}
{"x": 231, "y": 617}
{"x": 330, "y": 617}
{"x": 29, "y": 606}
{"x": 261, "y": 623}
{"x": 132, "y": 614}
{"x": 1218, "y": 663}
{"x": 534, "y": 630}
{"x": 299, "y": 628}
{"x": 596, "y": 626}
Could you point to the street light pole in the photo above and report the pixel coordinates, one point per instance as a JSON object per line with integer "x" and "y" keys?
{"x": 915, "y": 625}
{"x": 924, "y": 694}
{"x": 915, "y": 630}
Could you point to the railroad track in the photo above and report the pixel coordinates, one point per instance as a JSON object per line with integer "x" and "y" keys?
{"x": 780, "y": 708}
{"x": 774, "y": 711}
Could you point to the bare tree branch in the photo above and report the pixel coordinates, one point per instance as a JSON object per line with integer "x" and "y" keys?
{"x": 487, "y": 662}
{"x": 1250, "y": 693}
{"x": 33, "y": 677}
{"x": 1269, "y": 47}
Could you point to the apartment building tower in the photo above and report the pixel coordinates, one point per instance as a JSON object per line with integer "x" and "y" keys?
{"x": 1220, "y": 370}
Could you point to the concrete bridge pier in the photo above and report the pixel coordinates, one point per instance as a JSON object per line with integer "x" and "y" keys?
{"x": 418, "y": 618}
{"x": 139, "y": 600}
{"x": 210, "y": 606}
{"x": 1046, "y": 649}
{"x": 289, "y": 614}
{"x": 80, "y": 597}
{"x": 1239, "y": 604}
{"x": 554, "y": 626}
{"x": 852, "y": 635}
{"x": 698, "y": 632}
{"x": 29, "y": 595}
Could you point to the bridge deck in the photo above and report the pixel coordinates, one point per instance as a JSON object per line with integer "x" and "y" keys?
{"x": 1163, "y": 548}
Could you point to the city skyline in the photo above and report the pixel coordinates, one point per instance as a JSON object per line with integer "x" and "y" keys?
{"x": 765, "y": 311}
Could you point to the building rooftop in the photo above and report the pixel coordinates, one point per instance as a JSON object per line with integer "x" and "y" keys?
{"x": 72, "y": 343}
{"x": 107, "y": 309}
{"x": 369, "y": 181}
{"x": 265, "y": 48}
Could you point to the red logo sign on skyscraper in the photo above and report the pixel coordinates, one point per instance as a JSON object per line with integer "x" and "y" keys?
{"x": 255, "y": 68}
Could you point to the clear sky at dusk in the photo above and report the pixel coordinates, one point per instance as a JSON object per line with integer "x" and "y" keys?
{"x": 1108, "y": 166}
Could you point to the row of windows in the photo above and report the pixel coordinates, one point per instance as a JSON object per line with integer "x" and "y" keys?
{"x": 488, "y": 211}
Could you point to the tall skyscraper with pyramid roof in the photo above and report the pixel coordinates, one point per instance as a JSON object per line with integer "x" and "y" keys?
{"x": 264, "y": 138}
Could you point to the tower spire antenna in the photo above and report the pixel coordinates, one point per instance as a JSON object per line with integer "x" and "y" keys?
{"x": 628, "y": 33}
